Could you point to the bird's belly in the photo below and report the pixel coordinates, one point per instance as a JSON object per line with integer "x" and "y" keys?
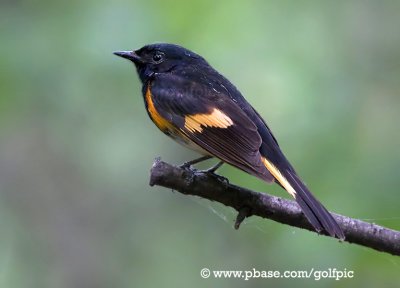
{"x": 185, "y": 141}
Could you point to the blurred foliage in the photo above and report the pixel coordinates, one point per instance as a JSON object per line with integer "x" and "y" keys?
{"x": 76, "y": 145}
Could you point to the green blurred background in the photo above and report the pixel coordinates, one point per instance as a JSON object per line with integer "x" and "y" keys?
{"x": 76, "y": 144}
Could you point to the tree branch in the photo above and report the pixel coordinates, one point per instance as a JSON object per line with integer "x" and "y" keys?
{"x": 216, "y": 188}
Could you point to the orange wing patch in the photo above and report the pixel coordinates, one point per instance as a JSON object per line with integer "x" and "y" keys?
{"x": 278, "y": 176}
{"x": 217, "y": 119}
{"x": 160, "y": 121}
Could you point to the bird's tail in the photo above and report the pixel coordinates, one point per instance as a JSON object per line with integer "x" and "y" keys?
{"x": 315, "y": 212}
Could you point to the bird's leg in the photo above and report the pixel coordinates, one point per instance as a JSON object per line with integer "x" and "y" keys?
{"x": 214, "y": 168}
{"x": 195, "y": 161}
{"x": 211, "y": 172}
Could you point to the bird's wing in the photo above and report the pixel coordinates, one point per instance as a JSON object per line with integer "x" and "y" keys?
{"x": 211, "y": 120}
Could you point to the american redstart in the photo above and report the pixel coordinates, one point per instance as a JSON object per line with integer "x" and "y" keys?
{"x": 191, "y": 102}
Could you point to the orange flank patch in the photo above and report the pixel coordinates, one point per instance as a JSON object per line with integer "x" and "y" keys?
{"x": 165, "y": 126}
{"x": 160, "y": 121}
{"x": 278, "y": 176}
{"x": 216, "y": 119}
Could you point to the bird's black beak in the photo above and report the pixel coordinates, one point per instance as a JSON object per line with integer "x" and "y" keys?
{"x": 130, "y": 55}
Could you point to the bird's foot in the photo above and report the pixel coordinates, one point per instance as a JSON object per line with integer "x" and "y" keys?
{"x": 211, "y": 173}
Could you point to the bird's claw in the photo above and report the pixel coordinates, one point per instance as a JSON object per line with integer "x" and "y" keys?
{"x": 220, "y": 178}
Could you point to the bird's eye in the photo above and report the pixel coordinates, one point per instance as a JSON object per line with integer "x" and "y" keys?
{"x": 157, "y": 57}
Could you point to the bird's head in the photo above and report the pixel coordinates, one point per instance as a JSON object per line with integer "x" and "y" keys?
{"x": 160, "y": 58}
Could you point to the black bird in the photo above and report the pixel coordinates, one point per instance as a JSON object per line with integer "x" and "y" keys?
{"x": 191, "y": 102}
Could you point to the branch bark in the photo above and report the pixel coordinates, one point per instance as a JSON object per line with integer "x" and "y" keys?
{"x": 247, "y": 203}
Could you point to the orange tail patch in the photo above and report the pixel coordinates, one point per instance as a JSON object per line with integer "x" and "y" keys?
{"x": 278, "y": 176}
